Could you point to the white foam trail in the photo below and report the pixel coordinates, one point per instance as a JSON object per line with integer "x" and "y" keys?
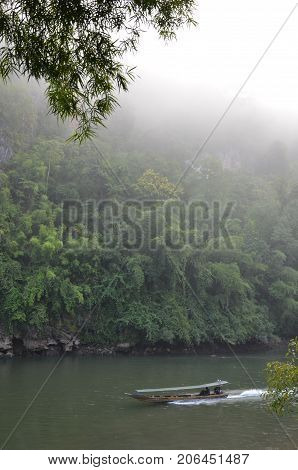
{"x": 254, "y": 393}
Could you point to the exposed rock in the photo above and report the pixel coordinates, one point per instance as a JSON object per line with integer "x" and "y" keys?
{"x": 123, "y": 347}
{"x": 62, "y": 336}
{"x": 70, "y": 345}
{"x": 5, "y": 344}
{"x": 54, "y": 342}
{"x": 6, "y": 349}
{"x": 6, "y": 355}
{"x": 66, "y": 341}
{"x": 51, "y": 342}
{"x": 35, "y": 345}
{"x": 107, "y": 352}
{"x": 95, "y": 350}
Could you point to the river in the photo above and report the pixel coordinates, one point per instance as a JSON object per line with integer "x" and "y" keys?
{"x": 83, "y": 406}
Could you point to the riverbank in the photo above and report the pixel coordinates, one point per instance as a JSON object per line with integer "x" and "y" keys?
{"x": 59, "y": 342}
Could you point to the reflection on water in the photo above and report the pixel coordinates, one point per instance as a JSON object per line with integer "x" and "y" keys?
{"x": 83, "y": 405}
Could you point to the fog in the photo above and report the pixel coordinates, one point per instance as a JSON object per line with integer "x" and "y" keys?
{"x": 183, "y": 87}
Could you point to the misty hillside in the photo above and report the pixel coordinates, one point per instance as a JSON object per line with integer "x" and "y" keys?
{"x": 160, "y": 276}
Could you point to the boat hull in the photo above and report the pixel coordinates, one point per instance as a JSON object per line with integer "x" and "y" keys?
{"x": 171, "y": 398}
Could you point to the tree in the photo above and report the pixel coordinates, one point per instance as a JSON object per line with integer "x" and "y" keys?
{"x": 78, "y": 46}
{"x": 282, "y": 380}
{"x": 154, "y": 186}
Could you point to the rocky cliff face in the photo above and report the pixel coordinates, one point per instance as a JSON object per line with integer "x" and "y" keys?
{"x": 6, "y": 348}
{"x": 52, "y": 343}
{"x": 55, "y": 342}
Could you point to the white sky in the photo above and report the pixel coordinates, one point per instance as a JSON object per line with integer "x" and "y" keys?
{"x": 218, "y": 54}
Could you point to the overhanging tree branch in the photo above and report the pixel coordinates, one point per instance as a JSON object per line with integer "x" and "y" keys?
{"x": 78, "y": 48}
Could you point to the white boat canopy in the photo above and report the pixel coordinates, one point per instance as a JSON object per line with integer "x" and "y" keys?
{"x": 192, "y": 387}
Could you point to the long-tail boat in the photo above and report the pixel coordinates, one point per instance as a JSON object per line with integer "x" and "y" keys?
{"x": 165, "y": 395}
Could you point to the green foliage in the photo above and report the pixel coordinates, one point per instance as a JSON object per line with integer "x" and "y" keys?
{"x": 202, "y": 292}
{"x": 227, "y": 282}
{"x": 153, "y": 186}
{"x": 282, "y": 380}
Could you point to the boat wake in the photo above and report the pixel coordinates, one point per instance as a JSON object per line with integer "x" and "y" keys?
{"x": 234, "y": 395}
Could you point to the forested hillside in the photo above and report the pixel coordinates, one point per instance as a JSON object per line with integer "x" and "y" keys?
{"x": 186, "y": 284}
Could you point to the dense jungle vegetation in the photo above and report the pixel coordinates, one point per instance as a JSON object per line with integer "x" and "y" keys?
{"x": 238, "y": 290}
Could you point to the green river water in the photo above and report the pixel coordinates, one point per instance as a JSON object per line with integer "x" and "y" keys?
{"x": 83, "y": 405}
